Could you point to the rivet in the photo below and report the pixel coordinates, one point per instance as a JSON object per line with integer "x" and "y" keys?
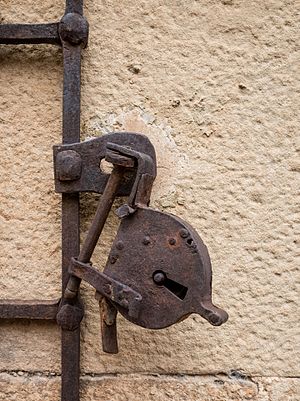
{"x": 184, "y": 233}
{"x": 172, "y": 241}
{"x": 74, "y": 28}
{"x": 120, "y": 245}
{"x": 68, "y": 165}
{"x": 146, "y": 240}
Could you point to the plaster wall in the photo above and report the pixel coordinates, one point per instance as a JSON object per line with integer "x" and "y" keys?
{"x": 215, "y": 86}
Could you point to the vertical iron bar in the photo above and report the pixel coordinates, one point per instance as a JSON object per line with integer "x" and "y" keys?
{"x": 70, "y": 342}
{"x": 71, "y": 93}
{"x": 74, "y": 6}
{"x": 70, "y": 346}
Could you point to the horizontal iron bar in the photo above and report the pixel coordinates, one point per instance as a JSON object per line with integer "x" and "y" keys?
{"x": 15, "y": 34}
{"x": 35, "y": 310}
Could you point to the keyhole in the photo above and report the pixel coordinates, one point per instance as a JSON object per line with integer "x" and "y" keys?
{"x": 160, "y": 278}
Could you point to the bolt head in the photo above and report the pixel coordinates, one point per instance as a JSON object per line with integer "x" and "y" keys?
{"x": 120, "y": 245}
{"x": 184, "y": 233}
{"x": 146, "y": 240}
{"x": 74, "y": 28}
{"x": 68, "y": 165}
{"x": 172, "y": 241}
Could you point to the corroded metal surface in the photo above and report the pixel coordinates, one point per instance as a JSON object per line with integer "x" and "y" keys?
{"x": 74, "y": 29}
{"x": 121, "y": 164}
{"x": 158, "y": 271}
{"x": 83, "y": 163}
{"x": 164, "y": 259}
{"x": 106, "y": 286}
{"x": 34, "y": 310}
{"x": 70, "y": 339}
{"x": 141, "y": 168}
{"x": 16, "y": 34}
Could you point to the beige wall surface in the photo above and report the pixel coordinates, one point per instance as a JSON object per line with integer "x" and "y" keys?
{"x": 215, "y": 86}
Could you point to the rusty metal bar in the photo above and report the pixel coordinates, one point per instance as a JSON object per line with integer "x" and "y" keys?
{"x": 16, "y": 34}
{"x": 70, "y": 340}
{"x": 97, "y": 225}
{"x": 108, "y": 319}
{"x": 71, "y": 93}
{"x": 101, "y": 215}
{"x": 35, "y": 310}
{"x": 74, "y": 6}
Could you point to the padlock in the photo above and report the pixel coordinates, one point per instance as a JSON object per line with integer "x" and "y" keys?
{"x": 158, "y": 271}
{"x": 164, "y": 260}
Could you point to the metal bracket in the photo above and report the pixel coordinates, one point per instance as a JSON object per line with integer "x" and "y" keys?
{"x": 107, "y": 287}
{"x": 78, "y": 166}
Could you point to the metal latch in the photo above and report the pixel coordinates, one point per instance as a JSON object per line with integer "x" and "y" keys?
{"x": 158, "y": 271}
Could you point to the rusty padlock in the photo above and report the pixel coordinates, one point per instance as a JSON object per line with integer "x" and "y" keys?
{"x": 158, "y": 271}
{"x": 164, "y": 260}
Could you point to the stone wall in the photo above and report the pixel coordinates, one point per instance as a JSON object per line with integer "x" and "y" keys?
{"x": 215, "y": 86}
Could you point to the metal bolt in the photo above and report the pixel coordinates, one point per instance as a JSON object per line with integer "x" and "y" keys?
{"x": 68, "y": 165}
{"x": 74, "y": 28}
{"x": 184, "y": 233}
{"x": 120, "y": 245}
{"x": 159, "y": 278}
{"x": 172, "y": 241}
{"x": 146, "y": 240}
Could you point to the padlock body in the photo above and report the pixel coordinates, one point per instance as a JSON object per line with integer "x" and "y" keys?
{"x": 163, "y": 259}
